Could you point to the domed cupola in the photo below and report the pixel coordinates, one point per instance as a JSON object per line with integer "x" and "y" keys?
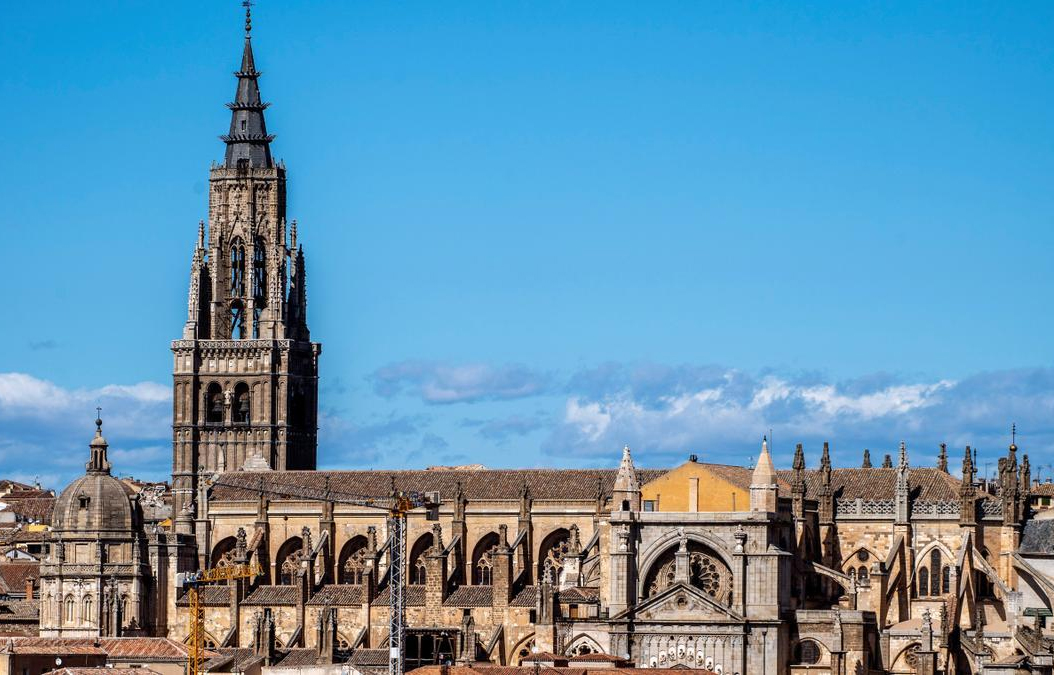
{"x": 96, "y": 502}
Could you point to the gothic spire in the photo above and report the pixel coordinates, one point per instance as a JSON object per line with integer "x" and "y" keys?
{"x": 968, "y": 467}
{"x": 764, "y": 471}
{"x": 867, "y": 459}
{"x": 248, "y": 139}
{"x": 942, "y": 458}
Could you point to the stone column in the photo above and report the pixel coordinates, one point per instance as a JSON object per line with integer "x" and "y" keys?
{"x": 435, "y": 577}
{"x": 501, "y": 574}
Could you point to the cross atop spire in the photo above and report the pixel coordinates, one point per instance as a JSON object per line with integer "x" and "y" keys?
{"x": 248, "y": 142}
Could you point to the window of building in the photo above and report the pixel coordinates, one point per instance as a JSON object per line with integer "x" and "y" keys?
{"x": 83, "y": 501}
{"x": 924, "y": 582}
{"x": 241, "y": 403}
{"x": 946, "y": 579}
{"x": 861, "y": 575}
{"x": 935, "y": 571}
{"x": 69, "y": 609}
{"x": 87, "y": 608}
{"x": 214, "y": 404}
{"x": 807, "y": 652}
{"x": 237, "y": 269}
{"x": 649, "y": 504}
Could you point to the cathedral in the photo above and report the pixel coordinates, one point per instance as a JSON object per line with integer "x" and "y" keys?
{"x": 897, "y": 568}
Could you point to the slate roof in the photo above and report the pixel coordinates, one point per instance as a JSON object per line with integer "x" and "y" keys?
{"x": 470, "y": 596}
{"x": 1038, "y": 537}
{"x": 499, "y": 484}
{"x": 338, "y": 595}
{"x": 273, "y": 595}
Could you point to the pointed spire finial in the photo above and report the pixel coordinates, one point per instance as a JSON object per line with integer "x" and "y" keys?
{"x": 98, "y": 421}
{"x": 942, "y": 458}
{"x": 247, "y": 4}
{"x": 1013, "y": 436}
{"x": 867, "y": 459}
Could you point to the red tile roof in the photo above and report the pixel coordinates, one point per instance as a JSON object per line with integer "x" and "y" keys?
{"x": 13, "y": 575}
{"x": 130, "y": 648}
{"x": 470, "y": 596}
{"x": 340, "y": 595}
{"x": 273, "y": 595}
{"x": 572, "y": 484}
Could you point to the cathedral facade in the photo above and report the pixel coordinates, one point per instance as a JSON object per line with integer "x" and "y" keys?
{"x": 834, "y": 571}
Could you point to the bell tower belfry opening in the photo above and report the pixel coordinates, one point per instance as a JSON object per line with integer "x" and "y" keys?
{"x": 245, "y": 375}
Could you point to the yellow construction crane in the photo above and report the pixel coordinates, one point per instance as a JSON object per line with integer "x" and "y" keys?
{"x": 192, "y": 582}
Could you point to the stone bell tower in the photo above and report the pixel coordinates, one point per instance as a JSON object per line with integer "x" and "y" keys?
{"x": 246, "y": 371}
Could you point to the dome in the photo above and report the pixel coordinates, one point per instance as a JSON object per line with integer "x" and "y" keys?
{"x": 96, "y": 502}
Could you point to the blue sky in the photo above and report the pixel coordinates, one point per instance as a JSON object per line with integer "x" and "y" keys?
{"x": 536, "y": 231}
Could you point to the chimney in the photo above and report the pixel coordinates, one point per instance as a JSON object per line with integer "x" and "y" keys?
{"x": 29, "y": 588}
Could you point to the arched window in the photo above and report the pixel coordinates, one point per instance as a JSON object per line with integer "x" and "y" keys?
{"x": 214, "y": 404}
{"x": 124, "y": 606}
{"x": 87, "y": 609}
{"x": 241, "y": 403}
{"x": 259, "y": 270}
{"x": 807, "y": 653}
{"x": 238, "y": 320}
{"x": 237, "y": 269}
{"x": 70, "y": 611}
{"x": 417, "y": 558}
{"x": 851, "y": 572}
{"x": 353, "y": 561}
{"x": 288, "y": 560}
{"x": 861, "y": 576}
{"x": 924, "y": 582}
{"x": 946, "y": 579}
{"x": 551, "y": 554}
{"x": 297, "y": 408}
{"x": 482, "y": 562}
{"x": 935, "y": 572}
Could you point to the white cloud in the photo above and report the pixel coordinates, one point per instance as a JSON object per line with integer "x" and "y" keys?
{"x": 41, "y": 419}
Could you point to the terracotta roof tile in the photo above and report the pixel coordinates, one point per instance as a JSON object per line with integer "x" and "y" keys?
{"x": 471, "y": 596}
{"x": 338, "y": 595}
{"x": 209, "y": 596}
{"x": 414, "y": 596}
{"x": 19, "y": 609}
{"x": 926, "y": 483}
{"x": 101, "y": 670}
{"x": 580, "y": 594}
{"x": 476, "y": 484}
{"x": 1043, "y": 490}
{"x": 273, "y": 595}
{"x": 13, "y": 575}
{"x": 239, "y": 658}
{"x": 31, "y": 509}
{"x": 527, "y": 597}
{"x": 298, "y": 657}
{"x": 369, "y": 657}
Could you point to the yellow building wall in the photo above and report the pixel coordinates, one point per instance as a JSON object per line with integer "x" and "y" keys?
{"x": 674, "y": 491}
